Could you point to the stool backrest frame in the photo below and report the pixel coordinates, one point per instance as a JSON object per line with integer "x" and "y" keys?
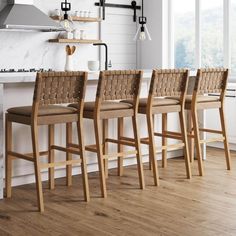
{"x": 119, "y": 85}
{"x": 169, "y": 83}
{"x": 53, "y": 88}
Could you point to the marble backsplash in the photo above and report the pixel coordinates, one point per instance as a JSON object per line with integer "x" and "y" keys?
{"x": 32, "y": 49}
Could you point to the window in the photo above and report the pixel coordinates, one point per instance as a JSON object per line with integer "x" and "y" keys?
{"x": 204, "y": 33}
{"x": 184, "y": 32}
{"x": 212, "y": 33}
{"x": 233, "y": 37}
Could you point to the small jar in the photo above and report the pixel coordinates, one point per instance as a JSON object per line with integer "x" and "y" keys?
{"x": 57, "y": 12}
{"x": 76, "y": 34}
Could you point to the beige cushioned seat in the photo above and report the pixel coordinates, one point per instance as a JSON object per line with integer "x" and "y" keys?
{"x": 43, "y": 111}
{"x": 105, "y": 106}
{"x": 200, "y": 99}
{"x": 156, "y": 102}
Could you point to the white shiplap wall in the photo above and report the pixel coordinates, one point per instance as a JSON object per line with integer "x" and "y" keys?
{"x": 118, "y": 31}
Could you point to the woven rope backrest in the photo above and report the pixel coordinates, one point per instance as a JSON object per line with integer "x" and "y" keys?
{"x": 59, "y": 87}
{"x": 168, "y": 82}
{"x": 120, "y": 84}
{"x": 211, "y": 80}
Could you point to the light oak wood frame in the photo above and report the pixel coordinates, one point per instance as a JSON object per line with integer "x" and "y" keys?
{"x": 50, "y": 89}
{"x": 166, "y": 82}
{"x": 116, "y": 86}
{"x": 211, "y": 80}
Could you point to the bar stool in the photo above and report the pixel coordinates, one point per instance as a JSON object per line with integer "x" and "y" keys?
{"x": 50, "y": 89}
{"x": 164, "y": 83}
{"x": 208, "y": 81}
{"x": 114, "y": 86}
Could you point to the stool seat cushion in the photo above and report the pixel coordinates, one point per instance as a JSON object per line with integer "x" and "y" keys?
{"x": 43, "y": 111}
{"x": 156, "y": 102}
{"x": 105, "y": 106}
{"x": 200, "y": 99}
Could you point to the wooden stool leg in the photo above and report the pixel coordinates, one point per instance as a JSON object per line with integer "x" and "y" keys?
{"x": 8, "y": 147}
{"x": 185, "y": 141}
{"x": 34, "y": 130}
{"x": 83, "y": 159}
{"x": 51, "y": 155}
{"x": 120, "y": 146}
{"x": 226, "y": 144}
{"x": 152, "y": 149}
{"x": 138, "y": 155}
{"x": 150, "y": 158}
{"x": 164, "y": 140}
{"x": 190, "y": 139}
{"x": 68, "y": 155}
{"x": 105, "y": 144}
{"x": 97, "y": 130}
{"x": 197, "y": 142}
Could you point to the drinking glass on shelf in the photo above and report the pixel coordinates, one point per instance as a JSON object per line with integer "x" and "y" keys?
{"x": 82, "y": 35}
{"x": 77, "y": 14}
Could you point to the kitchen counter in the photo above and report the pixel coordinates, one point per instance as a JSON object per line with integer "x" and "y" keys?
{"x": 27, "y": 77}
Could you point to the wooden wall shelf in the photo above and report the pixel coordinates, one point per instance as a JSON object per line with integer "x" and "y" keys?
{"x": 80, "y": 19}
{"x": 83, "y": 41}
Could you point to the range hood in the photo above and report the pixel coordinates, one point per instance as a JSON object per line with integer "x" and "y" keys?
{"x": 23, "y": 15}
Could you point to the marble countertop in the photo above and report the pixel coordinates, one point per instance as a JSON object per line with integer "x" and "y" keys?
{"x": 28, "y": 77}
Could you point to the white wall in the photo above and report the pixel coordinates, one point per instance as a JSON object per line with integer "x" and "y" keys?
{"x": 153, "y": 54}
{"x": 31, "y": 49}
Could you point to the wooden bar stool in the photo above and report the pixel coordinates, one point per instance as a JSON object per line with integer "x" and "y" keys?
{"x": 50, "y": 89}
{"x": 165, "y": 83}
{"x": 208, "y": 81}
{"x": 114, "y": 86}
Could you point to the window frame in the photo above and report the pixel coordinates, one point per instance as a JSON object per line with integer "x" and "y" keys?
{"x": 198, "y": 39}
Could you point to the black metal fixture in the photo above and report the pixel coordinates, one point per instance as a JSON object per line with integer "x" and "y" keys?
{"x": 106, "y": 54}
{"x": 132, "y": 6}
{"x": 142, "y": 32}
{"x": 66, "y": 22}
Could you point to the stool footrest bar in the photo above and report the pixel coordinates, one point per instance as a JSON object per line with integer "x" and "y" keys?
{"x": 119, "y": 154}
{"x": 171, "y": 147}
{"x": 170, "y": 135}
{"x": 120, "y": 141}
{"x": 212, "y": 140}
{"x": 69, "y": 150}
{"x": 211, "y": 131}
{"x": 21, "y": 156}
{"x": 56, "y": 164}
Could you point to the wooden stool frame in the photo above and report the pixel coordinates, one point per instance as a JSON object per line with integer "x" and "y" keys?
{"x": 114, "y": 86}
{"x": 166, "y": 83}
{"x": 50, "y": 89}
{"x": 211, "y": 80}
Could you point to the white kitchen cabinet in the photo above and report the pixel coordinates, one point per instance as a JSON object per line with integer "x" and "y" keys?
{"x": 212, "y": 120}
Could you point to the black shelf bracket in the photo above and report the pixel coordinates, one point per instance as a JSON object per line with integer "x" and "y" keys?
{"x": 132, "y": 6}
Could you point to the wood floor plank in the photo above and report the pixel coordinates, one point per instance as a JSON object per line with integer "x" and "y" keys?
{"x": 200, "y": 206}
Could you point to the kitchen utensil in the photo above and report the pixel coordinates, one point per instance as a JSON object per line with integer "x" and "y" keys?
{"x": 69, "y": 66}
{"x": 70, "y": 50}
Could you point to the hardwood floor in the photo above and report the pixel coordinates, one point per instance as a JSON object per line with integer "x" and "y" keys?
{"x": 201, "y": 206}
